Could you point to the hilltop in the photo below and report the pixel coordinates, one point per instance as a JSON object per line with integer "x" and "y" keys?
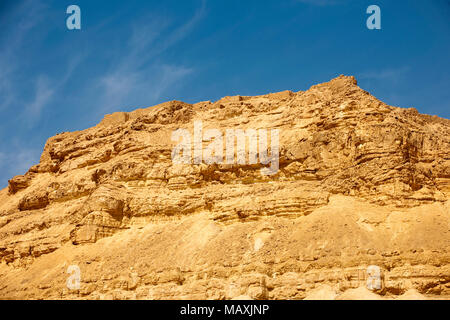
{"x": 359, "y": 183}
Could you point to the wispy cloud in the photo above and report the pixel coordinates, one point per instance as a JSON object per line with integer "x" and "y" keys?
{"x": 44, "y": 93}
{"x": 45, "y": 90}
{"x": 390, "y": 74}
{"x": 5, "y": 86}
{"x": 26, "y": 16}
{"x": 124, "y": 87}
{"x": 139, "y": 73}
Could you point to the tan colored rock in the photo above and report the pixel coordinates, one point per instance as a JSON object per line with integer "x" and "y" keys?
{"x": 359, "y": 184}
{"x": 412, "y": 294}
{"x": 324, "y": 292}
{"x": 358, "y": 294}
{"x": 19, "y": 182}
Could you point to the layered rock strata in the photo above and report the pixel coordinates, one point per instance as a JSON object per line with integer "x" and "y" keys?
{"x": 359, "y": 183}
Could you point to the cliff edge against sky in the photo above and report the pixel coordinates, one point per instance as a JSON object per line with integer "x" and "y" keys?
{"x": 359, "y": 184}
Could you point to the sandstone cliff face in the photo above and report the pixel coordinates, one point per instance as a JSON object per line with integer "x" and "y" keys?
{"x": 359, "y": 183}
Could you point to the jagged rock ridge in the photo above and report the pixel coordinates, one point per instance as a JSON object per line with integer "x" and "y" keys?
{"x": 360, "y": 183}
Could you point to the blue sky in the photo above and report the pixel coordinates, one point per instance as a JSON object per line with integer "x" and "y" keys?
{"x": 131, "y": 54}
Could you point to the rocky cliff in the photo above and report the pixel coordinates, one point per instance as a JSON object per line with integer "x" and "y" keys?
{"x": 360, "y": 183}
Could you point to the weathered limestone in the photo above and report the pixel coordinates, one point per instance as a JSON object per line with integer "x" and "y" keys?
{"x": 359, "y": 183}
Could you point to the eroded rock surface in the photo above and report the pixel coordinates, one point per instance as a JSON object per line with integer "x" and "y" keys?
{"x": 359, "y": 183}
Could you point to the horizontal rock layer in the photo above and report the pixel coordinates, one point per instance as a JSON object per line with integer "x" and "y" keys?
{"x": 359, "y": 183}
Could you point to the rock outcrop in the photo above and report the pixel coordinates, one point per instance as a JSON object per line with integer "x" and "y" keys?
{"x": 359, "y": 183}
